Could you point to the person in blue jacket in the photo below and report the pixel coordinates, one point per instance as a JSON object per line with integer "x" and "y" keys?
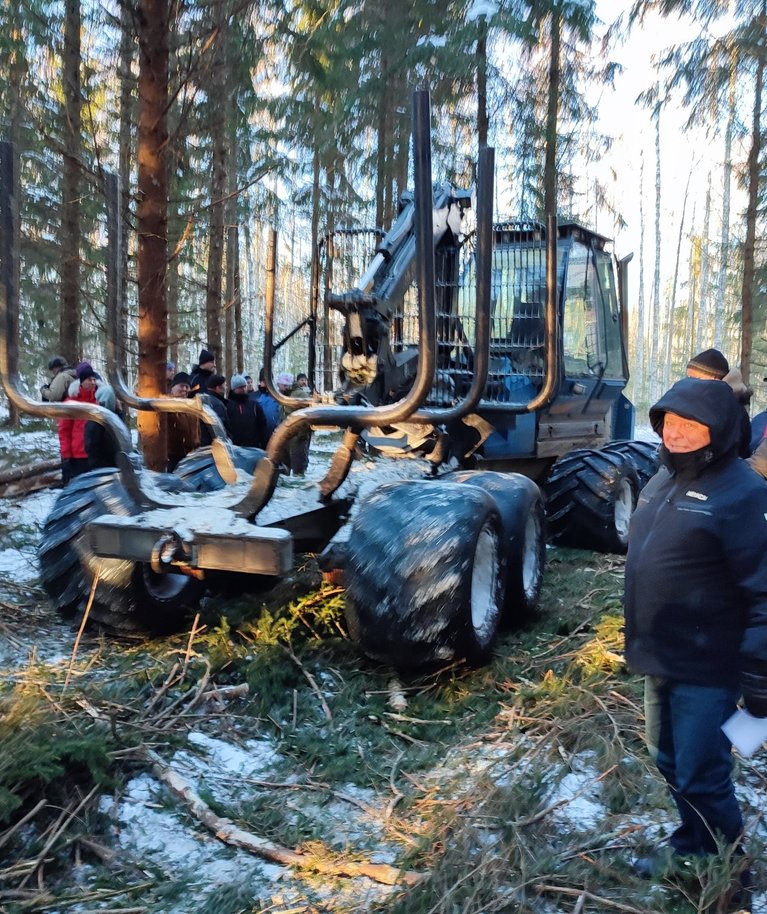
{"x": 270, "y": 407}
{"x": 696, "y": 609}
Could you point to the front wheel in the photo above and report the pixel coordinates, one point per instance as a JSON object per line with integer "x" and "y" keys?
{"x": 425, "y": 569}
{"x": 124, "y": 597}
{"x": 590, "y": 497}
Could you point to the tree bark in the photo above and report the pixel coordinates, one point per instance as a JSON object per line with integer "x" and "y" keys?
{"x": 152, "y": 18}
{"x": 724, "y": 245}
{"x": 656, "y": 306}
{"x": 703, "y": 309}
{"x": 218, "y": 93}
{"x": 127, "y": 53}
{"x": 752, "y": 171}
{"x": 70, "y": 186}
{"x": 641, "y": 388}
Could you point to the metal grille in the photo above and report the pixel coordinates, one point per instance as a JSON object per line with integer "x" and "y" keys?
{"x": 518, "y": 297}
{"x": 343, "y": 257}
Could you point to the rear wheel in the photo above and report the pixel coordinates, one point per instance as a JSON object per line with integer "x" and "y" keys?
{"x": 424, "y": 569}
{"x": 590, "y": 497}
{"x": 124, "y": 599}
{"x": 522, "y": 512}
{"x": 642, "y": 455}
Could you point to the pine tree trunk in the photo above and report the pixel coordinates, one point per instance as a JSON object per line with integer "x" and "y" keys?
{"x": 641, "y": 388}
{"x": 17, "y": 73}
{"x": 656, "y": 304}
{"x": 692, "y": 286}
{"x": 70, "y": 186}
{"x": 218, "y": 126}
{"x": 152, "y": 17}
{"x": 752, "y": 178}
{"x": 669, "y": 373}
{"x": 702, "y": 337}
{"x": 127, "y": 52}
{"x": 724, "y": 244}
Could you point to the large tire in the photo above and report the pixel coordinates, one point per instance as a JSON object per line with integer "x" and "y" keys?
{"x": 198, "y": 469}
{"x": 128, "y": 596}
{"x": 642, "y": 455}
{"x": 590, "y": 497}
{"x": 522, "y": 511}
{"x": 424, "y": 570}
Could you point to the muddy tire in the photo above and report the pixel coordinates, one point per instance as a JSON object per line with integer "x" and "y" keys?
{"x": 642, "y": 455}
{"x": 122, "y": 601}
{"x": 590, "y": 497}
{"x": 521, "y": 507}
{"x": 198, "y": 469}
{"x": 425, "y": 570}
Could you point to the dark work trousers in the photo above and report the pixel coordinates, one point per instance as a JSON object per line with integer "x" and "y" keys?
{"x": 694, "y": 756}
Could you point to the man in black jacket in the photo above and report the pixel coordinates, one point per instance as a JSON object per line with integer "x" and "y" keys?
{"x": 247, "y": 424}
{"x": 214, "y": 397}
{"x": 696, "y": 606}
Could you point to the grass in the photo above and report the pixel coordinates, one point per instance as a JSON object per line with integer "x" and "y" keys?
{"x": 523, "y": 786}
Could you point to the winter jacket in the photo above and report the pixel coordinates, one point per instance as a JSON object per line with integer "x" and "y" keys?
{"x": 218, "y": 404}
{"x": 271, "y": 410}
{"x": 696, "y": 579}
{"x": 183, "y": 437}
{"x": 199, "y": 379}
{"x": 246, "y": 421}
{"x": 56, "y": 391}
{"x": 100, "y": 445}
{"x": 72, "y": 431}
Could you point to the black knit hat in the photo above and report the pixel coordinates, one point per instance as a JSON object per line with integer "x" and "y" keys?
{"x": 205, "y": 356}
{"x": 58, "y": 361}
{"x": 216, "y": 380}
{"x": 181, "y": 378}
{"x": 710, "y": 362}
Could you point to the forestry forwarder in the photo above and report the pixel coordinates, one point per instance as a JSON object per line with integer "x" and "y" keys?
{"x": 518, "y": 358}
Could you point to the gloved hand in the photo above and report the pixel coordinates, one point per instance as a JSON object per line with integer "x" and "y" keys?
{"x": 753, "y": 684}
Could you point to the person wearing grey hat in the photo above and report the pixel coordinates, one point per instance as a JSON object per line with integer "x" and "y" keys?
{"x": 245, "y": 418}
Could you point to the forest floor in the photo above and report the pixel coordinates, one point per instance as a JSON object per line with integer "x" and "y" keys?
{"x": 257, "y": 762}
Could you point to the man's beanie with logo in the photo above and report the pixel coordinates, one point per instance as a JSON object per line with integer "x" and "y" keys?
{"x": 710, "y": 362}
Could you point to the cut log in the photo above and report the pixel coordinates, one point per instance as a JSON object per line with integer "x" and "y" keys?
{"x": 30, "y": 478}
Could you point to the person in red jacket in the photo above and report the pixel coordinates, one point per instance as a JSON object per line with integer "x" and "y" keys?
{"x": 74, "y": 457}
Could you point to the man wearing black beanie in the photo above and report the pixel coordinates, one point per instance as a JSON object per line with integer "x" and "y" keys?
{"x": 203, "y": 372}
{"x": 711, "y": 365}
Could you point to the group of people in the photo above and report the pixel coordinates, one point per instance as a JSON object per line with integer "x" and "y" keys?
{"x": 696, "y": 607}
{"x": 249, "y": 415}
{"x": 83, "y": 443}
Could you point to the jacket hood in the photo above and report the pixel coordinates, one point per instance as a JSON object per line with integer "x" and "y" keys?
{"x": 712, "y": 403}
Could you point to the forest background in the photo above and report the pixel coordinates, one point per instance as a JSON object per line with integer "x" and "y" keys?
{"x": 228, "y": 119}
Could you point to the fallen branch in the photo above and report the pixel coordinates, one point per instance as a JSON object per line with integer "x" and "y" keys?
{"x": 22, "y": 821}
{"x": 230, "y": 833}
{"x": 544, "y": 889}
{"x": 311, "y": 680}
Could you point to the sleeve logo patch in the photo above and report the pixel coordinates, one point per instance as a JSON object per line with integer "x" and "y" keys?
{"x": 699, "y": 495}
